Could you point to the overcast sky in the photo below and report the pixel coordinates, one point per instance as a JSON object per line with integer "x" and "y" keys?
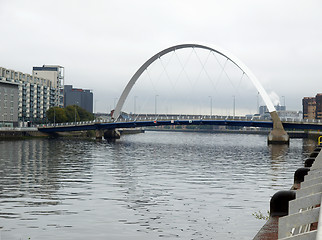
{"x": 102, "y": 43}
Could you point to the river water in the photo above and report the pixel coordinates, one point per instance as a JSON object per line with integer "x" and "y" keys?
{"x": 155, "y": 185}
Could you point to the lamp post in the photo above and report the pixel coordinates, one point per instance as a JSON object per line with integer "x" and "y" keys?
{"x": 234, "y": 105}
{"x": 210, "y": 106}
{"x": 257, "y": 102}
{"x": 284, "y": 102}
{"x": 135, "y": 97}
{"x": 155, "y": 104}
{"x": 75, "y": 112}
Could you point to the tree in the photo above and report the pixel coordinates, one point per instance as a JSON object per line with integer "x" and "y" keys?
{"x": 68, "y": 114}
{"x": 56, "y": 115}
{"x": 71, "y": 112}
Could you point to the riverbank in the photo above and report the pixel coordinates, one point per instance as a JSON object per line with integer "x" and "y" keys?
{"x": 25, "y": 133}
{"x": 280, "y": 204}
{"x": 20, "y": 133}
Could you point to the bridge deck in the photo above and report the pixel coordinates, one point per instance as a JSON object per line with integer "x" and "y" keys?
{"x": 183, "y": 120}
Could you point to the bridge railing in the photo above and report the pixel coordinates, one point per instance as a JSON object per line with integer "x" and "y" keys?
{"x": 70, "y": 123}
{"x": 288, "y": 119}
{"x": 164, "y": 117}
{"x": 154, "y": 118}
{"x": 188, "y": 117}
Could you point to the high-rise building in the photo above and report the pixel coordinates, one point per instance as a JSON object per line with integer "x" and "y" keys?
{"x": 318, "y": 111}
{"x": 309, "y": 107}
{"x": 55, "y": 74}
{"x": 79, "y": 97}
{"x": 35, "y": 93}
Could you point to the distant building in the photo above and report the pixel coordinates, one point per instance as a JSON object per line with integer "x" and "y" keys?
{"x": 263, "y": 110}
{"x": 282, "y": 113}
{"x": 290, "y": 115}
{"x": 280, "y": 108}
{"x": 312, "y": 107}
{"x": 36, "y": 93}
{"x": 318, "y": 100}
{"x": 8, "y": 103}
{"x": 55, "y": 74}
{"x": 79, "y": 97}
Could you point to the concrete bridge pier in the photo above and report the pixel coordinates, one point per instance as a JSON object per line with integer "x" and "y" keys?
{"x": 278, "y": 135}
{"x": 99, "y": 134}
{"x": 112, "y": 134}
{"x": 107, "y": 134}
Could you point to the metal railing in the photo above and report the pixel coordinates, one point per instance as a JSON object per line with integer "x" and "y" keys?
{"x": 164, "y": 117}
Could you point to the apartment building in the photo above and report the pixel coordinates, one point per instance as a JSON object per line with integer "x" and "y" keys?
{"x": 8, "y": 104}
{"x": 312, "y": 107}
{"x": 318, "y": 110}
{"x": 55, "y": 74}
{"x": 36, "y": 94}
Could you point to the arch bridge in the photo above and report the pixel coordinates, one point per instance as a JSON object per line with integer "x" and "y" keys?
{"x": 277, "y": 135}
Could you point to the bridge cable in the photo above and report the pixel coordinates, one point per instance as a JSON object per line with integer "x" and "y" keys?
{"x": 167, "y": 74}
{"x": 205, "y": 70}
{"x": 223, "y": 70}
{"x": 184, "y": 65}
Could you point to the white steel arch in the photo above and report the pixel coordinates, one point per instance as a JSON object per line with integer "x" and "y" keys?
{"x": 218, "y": 50}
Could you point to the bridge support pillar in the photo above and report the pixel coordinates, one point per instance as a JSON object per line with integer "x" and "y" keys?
{"x": 112, "y": 134}
{"x": 99, "y": 134}
{"x": 278, "y": 135}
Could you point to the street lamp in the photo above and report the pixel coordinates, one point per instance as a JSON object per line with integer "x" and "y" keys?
{"x": 234, "y": 105}
{"x": 135, "y": 97}
{"x": 257, "y": 102}
{"x": 210, "y": 106}
{"x": 75, "y": 111}
{"x": 155, "y": 104}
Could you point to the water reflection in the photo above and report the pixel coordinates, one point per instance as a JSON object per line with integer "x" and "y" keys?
{"x": 278, "y": 152}
{"x": 173, "y": 185}
{"x": 32, "y": 172}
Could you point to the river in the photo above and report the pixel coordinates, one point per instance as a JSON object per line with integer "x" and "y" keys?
{"x": 155, "y": 185}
